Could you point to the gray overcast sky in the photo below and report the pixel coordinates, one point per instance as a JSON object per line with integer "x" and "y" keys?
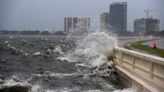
{"x": 49, "y": 14}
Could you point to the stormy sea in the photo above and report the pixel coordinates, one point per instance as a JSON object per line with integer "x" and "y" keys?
{"x": 58, "y": 64}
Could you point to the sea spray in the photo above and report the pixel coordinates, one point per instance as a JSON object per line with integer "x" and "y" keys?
{"x": 93, "y": 50}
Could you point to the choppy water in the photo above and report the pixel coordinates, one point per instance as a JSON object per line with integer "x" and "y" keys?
{"x": 58, "y": 64}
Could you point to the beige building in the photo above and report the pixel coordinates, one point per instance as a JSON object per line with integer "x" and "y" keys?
{"x": 77, "y": 25}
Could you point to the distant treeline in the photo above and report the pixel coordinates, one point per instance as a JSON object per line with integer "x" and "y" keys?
{"x": 37, "y": 32}
{"x": 30, "y": 32}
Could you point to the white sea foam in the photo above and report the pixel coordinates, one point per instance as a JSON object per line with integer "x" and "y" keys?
{"x": 92, "y": 91}
{"x": 93, "y": 50}
{"x": 64, "y": 90}
{"x": 37, "y": 88}
{"x": 58, "y": 49}
{"x": 68, "y": 57}
{"x": 77, "y": 89}
{"x": 126, "y": 90}
{"x": 37, "y": 53}
{"x": 11, "y": 82}
{"x": 59, "y": 75}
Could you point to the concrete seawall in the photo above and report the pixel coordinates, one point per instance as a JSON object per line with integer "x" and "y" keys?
{"x": 142, "y": 71}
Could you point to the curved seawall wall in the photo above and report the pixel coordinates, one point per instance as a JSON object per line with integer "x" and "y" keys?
{"x": 142, "y": 71}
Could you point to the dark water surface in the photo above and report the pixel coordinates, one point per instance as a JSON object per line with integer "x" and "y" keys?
{"x": 32, "y": 61}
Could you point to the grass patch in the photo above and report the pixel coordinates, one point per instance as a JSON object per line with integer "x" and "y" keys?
{"x": 143, "y": 48}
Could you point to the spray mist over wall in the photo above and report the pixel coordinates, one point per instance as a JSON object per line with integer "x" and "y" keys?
{"x": 93, "y": 50}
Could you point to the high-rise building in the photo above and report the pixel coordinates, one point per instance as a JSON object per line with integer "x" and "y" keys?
{"x": 104, "y": 22}
{"x": 152, "y": 25}
{"x": 146, "y": 26}
{"x": 118, "y": 17}
{"x": 140, "y": 26}
{"x": 77, "y": 25}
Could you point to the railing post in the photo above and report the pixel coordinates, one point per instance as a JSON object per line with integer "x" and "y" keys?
{"x": 133, "y": 60}
{"x": 151, "y": 70}
{"x": 121, "y": 57}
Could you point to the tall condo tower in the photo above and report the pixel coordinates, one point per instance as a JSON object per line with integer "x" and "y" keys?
{"x": 118, "y": 16}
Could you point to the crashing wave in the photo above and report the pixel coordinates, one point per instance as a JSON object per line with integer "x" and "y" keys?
{"x": 93, "y": 50}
